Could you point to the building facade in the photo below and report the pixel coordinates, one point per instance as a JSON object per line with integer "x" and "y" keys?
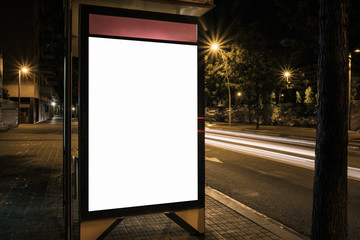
{"x": 20, "y": 21}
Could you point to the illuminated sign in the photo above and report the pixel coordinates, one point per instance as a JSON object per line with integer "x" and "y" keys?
{"x": 141, "y": 123}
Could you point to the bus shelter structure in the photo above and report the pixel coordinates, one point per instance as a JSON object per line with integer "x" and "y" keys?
{"x": 143, "y": 57}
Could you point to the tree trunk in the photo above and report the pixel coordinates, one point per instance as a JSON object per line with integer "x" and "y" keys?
{"x": 257, "y": 122}
{"x": 250, "y": 110}
{"x": 329, "y": 219}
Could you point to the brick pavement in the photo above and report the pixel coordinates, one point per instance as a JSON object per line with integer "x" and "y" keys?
{"x": 31, "y": 196}
{"x": 221, "y": 223}
{"x": 30, "y": 182}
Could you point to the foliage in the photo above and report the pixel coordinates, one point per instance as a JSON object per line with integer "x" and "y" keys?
{"x": 310, "y": 97}
{"x": 291, "y": 114}
{"x": 253, "y": 73}
{"x": 216, "y": 68}
{"x": 258, "y": 80}
{"x": 279, "y": 35}
{"x": 283, "y": 114}
{"x": 250, "y": 72}
{"x": 298, "y": 97}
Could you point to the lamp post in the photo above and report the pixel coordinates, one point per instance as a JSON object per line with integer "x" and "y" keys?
{"x": 22, "y": 70}
{"x": 287, "y": 74}
{"x": 349, "y": 105}
{"x": 215, "y": 47}
{"x": 53, "y": 104}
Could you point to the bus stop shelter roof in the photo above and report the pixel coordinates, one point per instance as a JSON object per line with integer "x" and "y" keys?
{"x": 195, "y": 8}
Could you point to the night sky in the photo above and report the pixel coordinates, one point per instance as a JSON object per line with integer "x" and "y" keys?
{"x": 287, "y": 27}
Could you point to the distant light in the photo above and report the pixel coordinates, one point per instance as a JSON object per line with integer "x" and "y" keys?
{"x": 239, "y": 94}
{"x": 53, "y": 104}
{"x": 73, "y": 108}
{"x": 287, "y": 74}
{"x": 24, "y": 70}
{"x": 357, "y": 50}
{"x": 215, "y": 46}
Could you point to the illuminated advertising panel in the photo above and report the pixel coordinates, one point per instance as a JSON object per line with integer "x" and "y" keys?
{"x": 141, "y": 121}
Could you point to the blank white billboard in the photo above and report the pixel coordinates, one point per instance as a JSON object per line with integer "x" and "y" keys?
{"x": 143, "y": 141}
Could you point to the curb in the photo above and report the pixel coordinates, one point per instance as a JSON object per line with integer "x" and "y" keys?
{"x": 258, "y": 218}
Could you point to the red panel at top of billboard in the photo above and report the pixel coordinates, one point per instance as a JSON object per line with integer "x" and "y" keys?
{"x": 142, "y": 28}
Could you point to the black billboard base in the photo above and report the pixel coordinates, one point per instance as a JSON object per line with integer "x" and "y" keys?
{"x": 97, "y": 229}
{"x": 193, "y": 220}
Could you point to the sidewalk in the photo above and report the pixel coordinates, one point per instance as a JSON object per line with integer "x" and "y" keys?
{"x": 31, "y": 198}
{"x": 280, "y": 131}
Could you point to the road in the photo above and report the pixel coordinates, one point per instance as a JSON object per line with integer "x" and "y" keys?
{"x": 273, "y": 176}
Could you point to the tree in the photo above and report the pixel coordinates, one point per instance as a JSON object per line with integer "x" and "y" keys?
{"x": 257, "y": 79}
{"x": 216, "y": 86}
{"x": 329, "y": 219}
{"x": 251, "y": 72}
{"x": 309, "y": 96}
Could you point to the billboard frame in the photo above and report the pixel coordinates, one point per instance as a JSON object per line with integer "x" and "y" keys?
{"x": 85, "y": 214}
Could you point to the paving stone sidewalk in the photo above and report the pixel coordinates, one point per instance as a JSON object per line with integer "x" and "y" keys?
{"x": 30, "y": 182}
{"x": 31, "y": 196}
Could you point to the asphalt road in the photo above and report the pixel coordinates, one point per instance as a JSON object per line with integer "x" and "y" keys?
{"x": 274, "y": 177}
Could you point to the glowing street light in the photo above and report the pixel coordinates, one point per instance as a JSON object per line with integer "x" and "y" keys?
{"x": 287, "y": 75}
{"x": 53, "y": 104}
{"x": 216, "y": 47}
{"x": 23, "y": 70}
{"x": 239, "y": 94}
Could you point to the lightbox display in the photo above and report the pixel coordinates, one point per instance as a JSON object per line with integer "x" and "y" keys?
{"x": 140, "y": 144}
{"x": 142, "y": 123}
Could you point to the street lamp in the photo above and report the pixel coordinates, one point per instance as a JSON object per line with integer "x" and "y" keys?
{"x": 23, "y": 70}
{"x": 215, "y": 47}
{"x": 287, "y": 74}
{"x": 349, "y": 103}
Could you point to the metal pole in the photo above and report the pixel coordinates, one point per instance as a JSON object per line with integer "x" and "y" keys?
{"x": 227, "y": 77}
{"x": 67, "y": 125}
{"x": 287, "y": 82}
{"x": 19, "y": 111}
{"x": 349, "y": 128}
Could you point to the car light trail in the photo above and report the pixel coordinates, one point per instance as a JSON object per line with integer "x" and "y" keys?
{"x": 280, "y": 157}
{"x": 263, "y": 137}
{"x": 306, "y": 152}
{"x": 303, "y": 162}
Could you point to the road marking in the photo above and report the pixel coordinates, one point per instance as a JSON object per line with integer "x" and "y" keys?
{"x": 213, "y": 159}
